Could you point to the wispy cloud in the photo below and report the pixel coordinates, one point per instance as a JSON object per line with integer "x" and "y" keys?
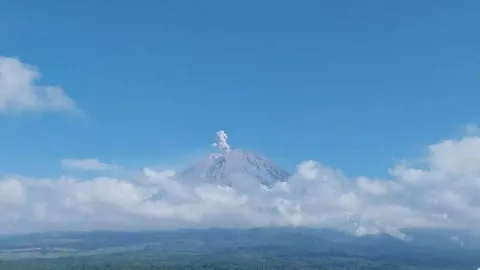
{"x": 89, "y": 164}
{"x": 472, "y": 129}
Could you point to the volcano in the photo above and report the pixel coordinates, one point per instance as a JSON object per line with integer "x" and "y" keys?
{"x": 222, "y": 168}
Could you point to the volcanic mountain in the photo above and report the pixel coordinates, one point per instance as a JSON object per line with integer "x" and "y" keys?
{"x": 222, "y": 168}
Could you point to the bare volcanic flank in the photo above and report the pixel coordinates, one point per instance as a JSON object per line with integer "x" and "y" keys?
{"x": 221, "y": 168}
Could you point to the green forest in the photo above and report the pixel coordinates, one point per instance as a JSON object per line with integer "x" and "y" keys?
{"x": 263, "y": 248}
{"x": 234, "y": 262}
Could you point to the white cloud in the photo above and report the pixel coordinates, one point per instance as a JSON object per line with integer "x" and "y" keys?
{"x": 12, "y": 192}
{"x": 443, "y": 193}
{"x": 89, "y": 164}
{"x": 20, "y": 93}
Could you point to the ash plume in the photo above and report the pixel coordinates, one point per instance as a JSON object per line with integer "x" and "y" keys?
{"x": 221, "y": 141}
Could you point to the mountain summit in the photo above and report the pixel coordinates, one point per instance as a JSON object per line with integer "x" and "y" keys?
{"x": 223, "y": 168}
{"x": 230, "y": 165}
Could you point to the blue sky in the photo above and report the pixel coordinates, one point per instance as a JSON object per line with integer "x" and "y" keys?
{"x": 353, "y": 85}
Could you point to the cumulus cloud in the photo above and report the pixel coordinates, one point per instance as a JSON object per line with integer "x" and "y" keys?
{"x": 89, "y": 164}
{"x": 20, "y": 93}
{"x": 442, "y": 193}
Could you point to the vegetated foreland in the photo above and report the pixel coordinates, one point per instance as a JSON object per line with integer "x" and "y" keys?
{"x": 223, "y": 261}
{"x": 265, "y": 248}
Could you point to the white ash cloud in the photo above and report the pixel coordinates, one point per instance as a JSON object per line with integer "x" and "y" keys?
{"x": 221, "y": 141}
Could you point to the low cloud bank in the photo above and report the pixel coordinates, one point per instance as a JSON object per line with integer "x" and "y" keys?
{"x": 443, "y": 193}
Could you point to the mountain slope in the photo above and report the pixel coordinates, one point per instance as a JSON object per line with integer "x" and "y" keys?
{"x": 223, "y": 168}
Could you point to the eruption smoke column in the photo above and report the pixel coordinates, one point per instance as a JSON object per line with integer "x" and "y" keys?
{"x": 222, "y": 141}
